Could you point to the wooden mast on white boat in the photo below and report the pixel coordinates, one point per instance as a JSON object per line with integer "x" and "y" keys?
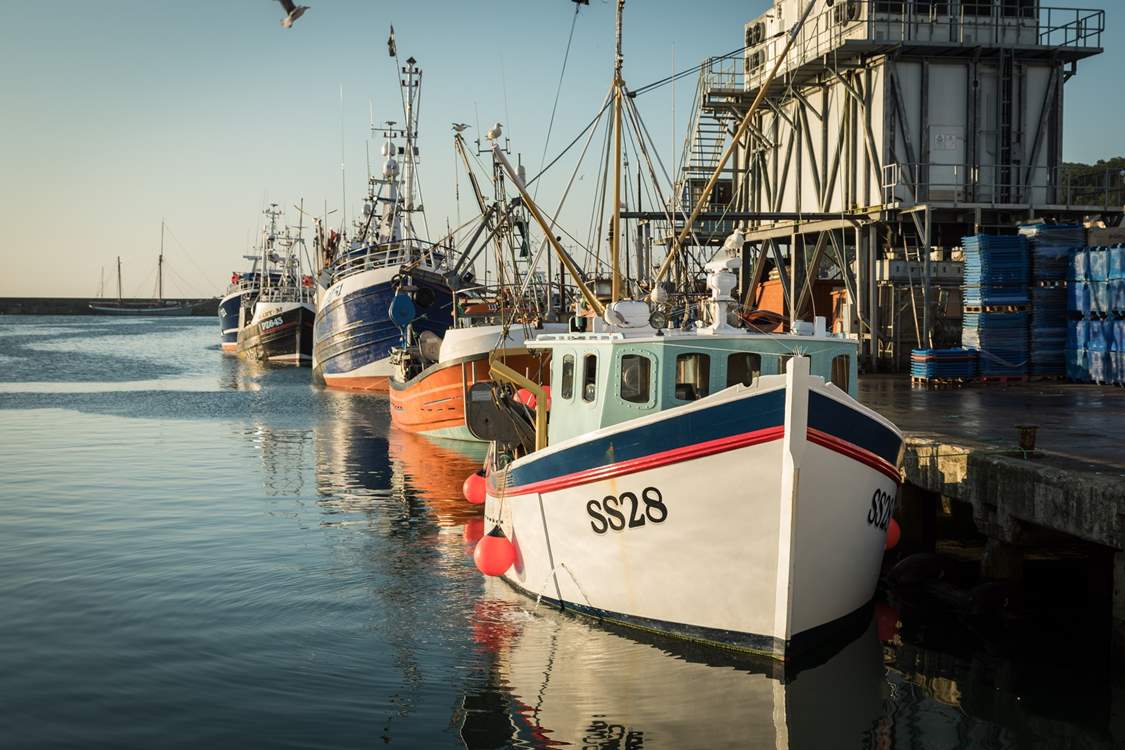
{"x": 739, "y": 134}
{"x": 618, "y": 92}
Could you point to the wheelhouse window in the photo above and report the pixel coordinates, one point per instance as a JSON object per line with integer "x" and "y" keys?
{"x": 693, "y": 376}
{"x": 590, "y": 377}
{"x": 636, "y": 378}
{"x": 781, "y": 362}
{"x": 743, "y": 368}
{"x": 841, "y": 371}
{"x": 568, "y": 376}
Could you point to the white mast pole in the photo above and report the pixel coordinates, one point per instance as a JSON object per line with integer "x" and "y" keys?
{"x": 160, "y": 266}
{"x": 408, "y": 166}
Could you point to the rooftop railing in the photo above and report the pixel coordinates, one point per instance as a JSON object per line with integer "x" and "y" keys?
{"x": 970, "y": 23}
{"x": 1060, "y": 187}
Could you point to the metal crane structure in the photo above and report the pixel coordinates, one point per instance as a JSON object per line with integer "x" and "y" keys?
{"x": 895, "y": 128}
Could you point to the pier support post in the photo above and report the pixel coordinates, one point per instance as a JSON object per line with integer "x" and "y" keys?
{"x": 917, "y": 514}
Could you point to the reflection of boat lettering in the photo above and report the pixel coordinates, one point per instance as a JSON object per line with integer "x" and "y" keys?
{"x": 603, "y": 734}
{"x": 654, "y": 510}
{"x": 882, "y": 508}
{"x": 270, "y": 324}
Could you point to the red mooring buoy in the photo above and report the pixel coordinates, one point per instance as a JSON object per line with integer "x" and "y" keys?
{"x": 894, "y": 533}
{"x": 474, "y": 530}
{"x": 473, "y": 487}
{"x": 494, "y": 553}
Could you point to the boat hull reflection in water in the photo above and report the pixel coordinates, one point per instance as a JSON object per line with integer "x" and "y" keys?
{"x": 574, "y": 682}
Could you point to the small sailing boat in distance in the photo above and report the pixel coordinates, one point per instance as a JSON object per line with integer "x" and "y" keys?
{"x": 159, "y": 306}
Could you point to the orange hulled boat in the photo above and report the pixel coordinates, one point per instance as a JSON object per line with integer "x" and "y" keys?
{"x": 430, "y": 382}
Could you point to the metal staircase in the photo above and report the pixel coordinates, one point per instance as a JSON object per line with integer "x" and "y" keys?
{"x": 712, "y": 123}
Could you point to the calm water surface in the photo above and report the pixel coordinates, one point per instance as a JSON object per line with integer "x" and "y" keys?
{"x": 198, "y": 553}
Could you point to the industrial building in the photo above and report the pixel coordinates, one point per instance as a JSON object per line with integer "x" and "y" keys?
{"x": 896, "y": 128}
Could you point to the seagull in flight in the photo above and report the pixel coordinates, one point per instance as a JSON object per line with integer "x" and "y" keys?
{"x": 292, "y": 12}
{"x": 459, "y": 126}
{"x": 494, "y": 132}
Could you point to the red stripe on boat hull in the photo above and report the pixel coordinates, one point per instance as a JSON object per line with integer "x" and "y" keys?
{"x": 652, "y": 461}
{"x": 852, "y": 451}
{"x": 699, "y": 450}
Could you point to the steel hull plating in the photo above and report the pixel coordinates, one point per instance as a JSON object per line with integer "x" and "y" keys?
{"x": 283, "y": 335}
{"x": 433, "y": 402}
{"x": 353, "y": 335}
{"x": 725, "y": 521}
{"x": 230, "y": 308}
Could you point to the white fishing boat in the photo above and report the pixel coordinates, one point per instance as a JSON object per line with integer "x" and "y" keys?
{"x": 703, "y": 481}
{"x": 714, "y": 484}
{"x": 280, "y": 326}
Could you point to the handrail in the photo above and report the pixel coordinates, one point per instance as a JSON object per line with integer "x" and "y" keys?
{"x": 898, "y": 21}
{"x": 905, "y": 183}
{"x": 500, "y": 371}
{"x": 382, "y": 255}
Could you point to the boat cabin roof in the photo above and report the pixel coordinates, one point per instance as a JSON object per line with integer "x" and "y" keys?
{"x": 602, "y": 379}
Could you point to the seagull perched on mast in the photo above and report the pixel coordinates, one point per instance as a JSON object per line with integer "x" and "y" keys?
{"x": 459, "y": 126}
{"x": 292, "y": 12}
{"x": 494, "y": 132}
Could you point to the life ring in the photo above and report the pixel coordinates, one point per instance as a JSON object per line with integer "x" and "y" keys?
{"x": 234, "y": 277}
{"x": 306, "y": 281}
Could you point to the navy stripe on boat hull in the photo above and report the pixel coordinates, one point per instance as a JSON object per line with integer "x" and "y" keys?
{"x": 719, "y": 421}
{"x": 841, "y": 421}
{"x": 748, "y": 415}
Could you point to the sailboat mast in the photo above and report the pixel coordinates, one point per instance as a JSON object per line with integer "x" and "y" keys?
{"x": 615, "y": 240}
{"x": 160, "y": 266}
{"x": 118, "y": 278}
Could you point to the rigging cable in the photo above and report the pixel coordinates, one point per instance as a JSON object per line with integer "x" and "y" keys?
{"x": 558, "y": 91}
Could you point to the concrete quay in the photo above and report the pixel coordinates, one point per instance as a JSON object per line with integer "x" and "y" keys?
{"x": 1067, "y": 494}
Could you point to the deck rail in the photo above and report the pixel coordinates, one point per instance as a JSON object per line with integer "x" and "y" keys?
{"x": 367, "y": 257}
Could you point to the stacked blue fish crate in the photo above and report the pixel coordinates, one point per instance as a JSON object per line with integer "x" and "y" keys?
{"x": 936, "y": 368}
{"x": 995, "y": 299}
{"x": 1096, "y": 306}
{"x": 1051, "y": 246}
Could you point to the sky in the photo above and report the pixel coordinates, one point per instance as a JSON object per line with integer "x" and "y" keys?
{"x": 116, "y": 115}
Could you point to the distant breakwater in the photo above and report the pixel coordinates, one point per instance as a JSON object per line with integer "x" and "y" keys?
{"x": 81, "y": 305}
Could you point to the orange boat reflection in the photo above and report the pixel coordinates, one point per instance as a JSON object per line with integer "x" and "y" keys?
{"x": 436, "y": 470}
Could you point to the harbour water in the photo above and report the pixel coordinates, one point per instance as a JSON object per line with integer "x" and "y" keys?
{"x": 197, "y": 552}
